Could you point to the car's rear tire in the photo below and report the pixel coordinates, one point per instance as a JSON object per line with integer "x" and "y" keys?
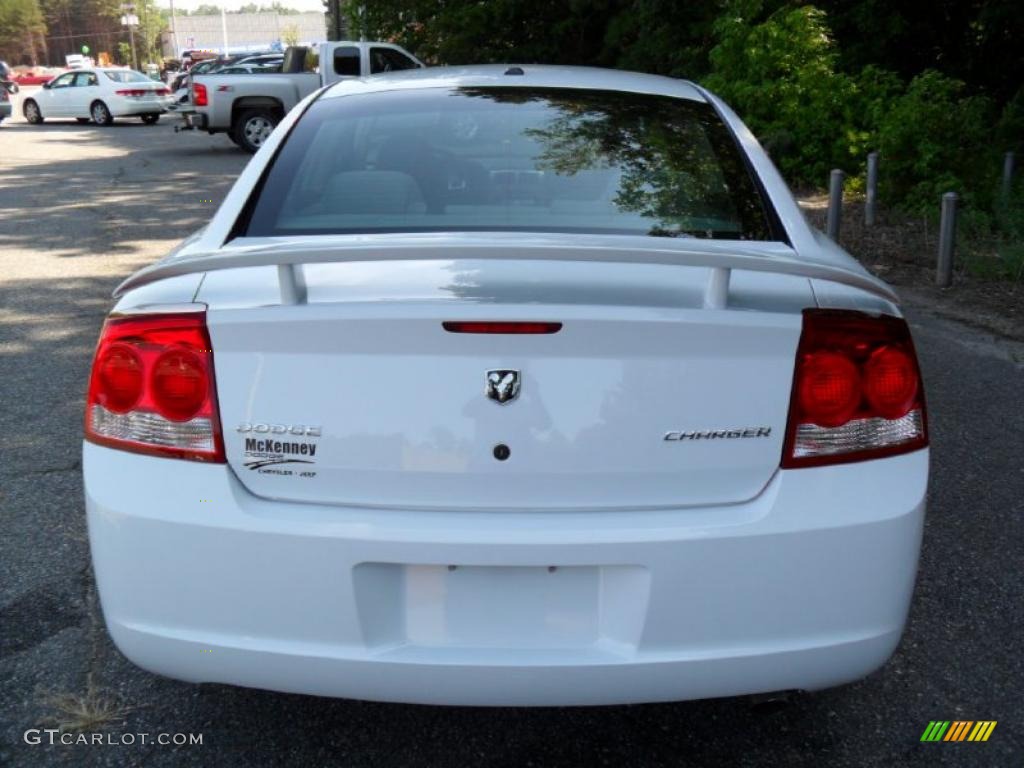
{"x": 252, "y": 127}
{"x": 32, "y": 113}
{"x": 100, "y": 113}
{"x": 150, "y": 119}
{"x": 82, "y": 119}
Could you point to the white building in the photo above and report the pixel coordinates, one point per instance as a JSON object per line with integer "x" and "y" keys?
{"x": 245, "y": 31}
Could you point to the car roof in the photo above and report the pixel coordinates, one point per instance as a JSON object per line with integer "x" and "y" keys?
{"x": 506, "y": 75}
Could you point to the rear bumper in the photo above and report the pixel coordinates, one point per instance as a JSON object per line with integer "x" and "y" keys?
{"x": 806, "y": 586}
{"x": 125, "y": 107}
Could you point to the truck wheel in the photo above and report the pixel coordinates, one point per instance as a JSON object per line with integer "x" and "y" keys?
{"x": 252, "y": 127}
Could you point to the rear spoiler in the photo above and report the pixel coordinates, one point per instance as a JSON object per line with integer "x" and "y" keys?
{"x": 289, "y": 260}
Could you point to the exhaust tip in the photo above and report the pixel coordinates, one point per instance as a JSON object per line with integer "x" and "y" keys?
{"x": 772, "y": 703}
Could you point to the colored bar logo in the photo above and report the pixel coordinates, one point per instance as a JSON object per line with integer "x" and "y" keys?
{"x": 958, "y": 730}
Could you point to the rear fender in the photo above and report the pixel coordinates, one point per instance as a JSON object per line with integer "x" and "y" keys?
{"x": 256, "y": 102}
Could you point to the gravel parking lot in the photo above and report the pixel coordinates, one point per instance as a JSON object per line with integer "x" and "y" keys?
{"x": 84, "y": 206}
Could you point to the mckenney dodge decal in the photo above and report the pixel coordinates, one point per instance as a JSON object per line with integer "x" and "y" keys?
{"x": 268, "y": 445}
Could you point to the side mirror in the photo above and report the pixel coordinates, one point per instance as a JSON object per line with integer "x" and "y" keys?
{"x": 47, "y": 85}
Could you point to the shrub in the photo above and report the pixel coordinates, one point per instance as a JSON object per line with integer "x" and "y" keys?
{"x": 934, "y": 139}
{"x": 780, "y": 77}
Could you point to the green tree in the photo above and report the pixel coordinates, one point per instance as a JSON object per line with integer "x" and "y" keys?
{"x": 935, "y": 138}
{"x": 290, "y": 34}
{"x": 152, "y": 22}
{"x": 976, "y": 41}
{"x": 278, "y": 8}
{"x": 780, "y": 75}
{"x": 22, "y": 31}
{"x": 73, "y": 23}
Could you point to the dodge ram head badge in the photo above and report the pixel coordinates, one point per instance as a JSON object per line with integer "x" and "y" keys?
{"x": 502, "y": 386}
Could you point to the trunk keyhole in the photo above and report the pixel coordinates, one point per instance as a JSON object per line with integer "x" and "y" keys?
{"x": 502, "y": 452}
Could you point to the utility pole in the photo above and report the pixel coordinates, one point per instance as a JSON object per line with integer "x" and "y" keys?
{"x": 334, "y": 16}
{"x": 130, "y": 20}
{"x": 174, "y": 32}
{"x": 224, "y": 28}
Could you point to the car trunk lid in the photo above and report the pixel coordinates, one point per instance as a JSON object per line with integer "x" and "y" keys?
{"x": 642, "y": 398}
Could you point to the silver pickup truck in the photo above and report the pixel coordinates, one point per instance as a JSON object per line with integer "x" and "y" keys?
{"x": 247, "y": 107}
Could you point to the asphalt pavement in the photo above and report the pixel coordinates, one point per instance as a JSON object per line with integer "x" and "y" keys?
{"x": 81, "y": 207}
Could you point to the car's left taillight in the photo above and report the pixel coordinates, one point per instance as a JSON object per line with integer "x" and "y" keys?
{"x": 857, "y": 391}
{"x": 152, "y": 388}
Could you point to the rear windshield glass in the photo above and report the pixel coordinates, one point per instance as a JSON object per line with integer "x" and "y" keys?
{"x": 501, "y": 159}
{"x": 127, "y": 76}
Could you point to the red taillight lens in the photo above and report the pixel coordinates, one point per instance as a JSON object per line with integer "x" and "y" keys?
{"x": 179, "y": 384}
{"x": 133, "y": 92}
{"x": 199, "y": 97}
{"x": 829, "y": 388}
{"x": 163, "y": 92}
{"x": 118, "y": 378}
{"x": 890, "y": 382}
{"x": 152, "y": 388}
{"x": 857, "y": 391}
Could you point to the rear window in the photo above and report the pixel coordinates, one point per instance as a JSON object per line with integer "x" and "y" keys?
{"x": 346, "y": 62}
{"x": 509, "y": 159}
{"x": 127, "y": 76}
{"x": 389, "y": 60}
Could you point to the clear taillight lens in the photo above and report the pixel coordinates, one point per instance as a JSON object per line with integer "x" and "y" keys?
{"x": 152, "y": 388}
{"x": 857, "y": 391}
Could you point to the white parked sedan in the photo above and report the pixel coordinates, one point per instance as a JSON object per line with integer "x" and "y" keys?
{"x": 99, "y": 95}
{"x": 507, "y": 386}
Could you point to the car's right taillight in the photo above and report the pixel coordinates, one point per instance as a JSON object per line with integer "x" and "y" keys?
{"x": 857, "y": 391}
{"x": 152, "y": 388}
{"x": 199, "y": 97}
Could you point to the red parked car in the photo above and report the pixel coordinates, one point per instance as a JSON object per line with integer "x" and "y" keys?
{"x": 33, "y": 77}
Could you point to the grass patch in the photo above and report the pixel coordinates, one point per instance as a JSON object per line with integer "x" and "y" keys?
{"x": 87, "y": 712}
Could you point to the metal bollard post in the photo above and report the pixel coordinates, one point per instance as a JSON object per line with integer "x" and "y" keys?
{"x": 947, "y": 241}
{"x": 1007, "y": 176}
{"x": 871, "y": 195}
{"x": 835, "y": 203}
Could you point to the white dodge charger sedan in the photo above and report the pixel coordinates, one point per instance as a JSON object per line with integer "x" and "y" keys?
{"x": 99, "y": 95}
{"x": 507, "y": 386}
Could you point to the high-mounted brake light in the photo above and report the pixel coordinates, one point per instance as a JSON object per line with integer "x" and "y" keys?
{"x": 152, "y": 388}
{"x": 489, "y": 326}
{"x": 199, "y": 97}
{"x": 857, "y": 391}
